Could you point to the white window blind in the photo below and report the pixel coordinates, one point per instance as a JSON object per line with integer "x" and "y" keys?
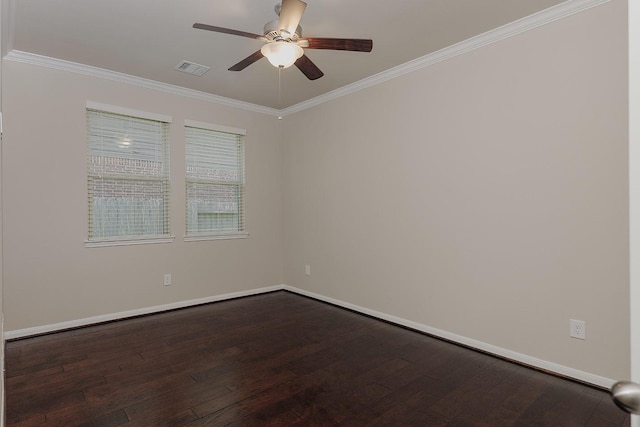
{"x": 128, "y": 177}
{"x": 215, "y": 181}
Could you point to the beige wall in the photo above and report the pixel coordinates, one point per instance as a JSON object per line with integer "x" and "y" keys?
{"x": 50, "y": 276}
{"x": 3, "y": 47}
{"x": 485, "y": 196}
{"x": 634, "y": 190}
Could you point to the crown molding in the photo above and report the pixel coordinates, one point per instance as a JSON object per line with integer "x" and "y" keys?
{"x": 554, "y": 13}
{"x": 87, "y": 70}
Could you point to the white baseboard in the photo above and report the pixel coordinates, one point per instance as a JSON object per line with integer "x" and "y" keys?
{"x": 469, "y": 342}
{"x": 21, "y": 333}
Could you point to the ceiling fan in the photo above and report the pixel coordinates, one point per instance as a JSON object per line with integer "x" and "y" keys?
{"x": 284, "y": 42}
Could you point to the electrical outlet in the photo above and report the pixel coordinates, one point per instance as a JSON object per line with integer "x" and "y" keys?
{"x": 577, "y": 329}
{"x": 307, "y": 270}
{"x": 167, "y": 279}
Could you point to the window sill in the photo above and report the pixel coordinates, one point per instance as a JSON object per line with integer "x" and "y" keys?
{"x": 224, "y": 236}
{"x": 127, "y": 242}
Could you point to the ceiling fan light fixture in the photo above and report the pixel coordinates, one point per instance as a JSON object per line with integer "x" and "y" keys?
{"x": 282, "y": 54}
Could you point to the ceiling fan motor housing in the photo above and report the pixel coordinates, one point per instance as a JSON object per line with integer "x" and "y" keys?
{"x": 272, "y": 32}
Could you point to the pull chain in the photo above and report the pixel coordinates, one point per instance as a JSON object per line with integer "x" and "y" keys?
{"x": 280, "y": 86}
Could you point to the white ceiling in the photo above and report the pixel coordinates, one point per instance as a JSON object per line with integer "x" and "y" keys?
{"x": 148, "y": 38}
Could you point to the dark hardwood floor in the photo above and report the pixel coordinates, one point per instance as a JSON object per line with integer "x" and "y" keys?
{"x": 283, "y": 360}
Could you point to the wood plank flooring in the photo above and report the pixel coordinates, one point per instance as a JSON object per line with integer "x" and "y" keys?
{"x": 279, "y": 359}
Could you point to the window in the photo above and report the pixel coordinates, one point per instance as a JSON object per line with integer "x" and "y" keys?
{"x": 215, "y": 181}
{"x": 128, "y": 176}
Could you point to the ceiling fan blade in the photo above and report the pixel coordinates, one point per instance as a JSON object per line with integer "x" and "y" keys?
{"x": 308, "y": 68}
{"x": 247, "y": 61}
{"x": 227, "y": 31}
{"x": 290, "y": 15}
{"x": 356, "y": 45}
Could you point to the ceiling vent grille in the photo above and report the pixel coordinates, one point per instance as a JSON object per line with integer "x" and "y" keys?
{"x": 192, "y": 68}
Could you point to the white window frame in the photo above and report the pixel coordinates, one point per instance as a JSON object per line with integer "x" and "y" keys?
{"x": 131, "y": 240}
{"x": 241, "y": 234}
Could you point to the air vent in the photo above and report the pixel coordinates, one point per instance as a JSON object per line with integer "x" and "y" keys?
{"x": 192, "y": 68}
